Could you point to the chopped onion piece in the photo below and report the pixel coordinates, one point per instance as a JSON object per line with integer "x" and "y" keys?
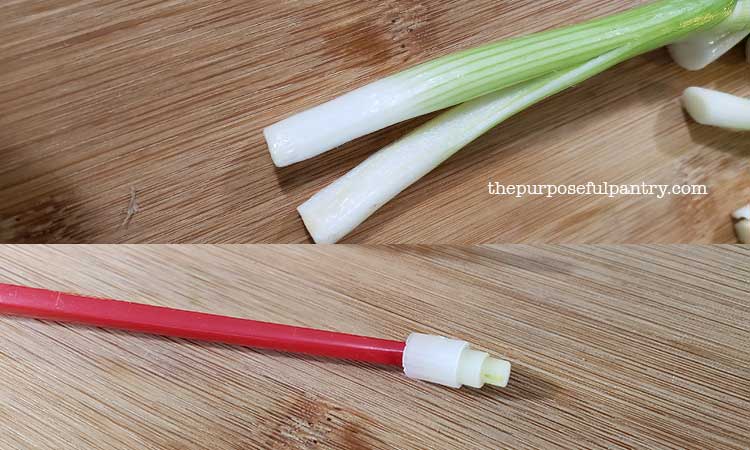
{"x": 742, "y": 213}
{"x": 699, "y": 54}
{"x": 700, "y": 49}
{"x": 714, "y": 108}
{"x": 742, "y": 228}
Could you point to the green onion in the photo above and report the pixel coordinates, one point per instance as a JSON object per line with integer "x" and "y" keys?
{"x": 339, "y": 208}
{"x": 469, "y": 74}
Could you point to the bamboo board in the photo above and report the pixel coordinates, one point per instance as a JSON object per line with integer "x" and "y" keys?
{"x": 169, "y": 98}
{"x": 612, "y": 347}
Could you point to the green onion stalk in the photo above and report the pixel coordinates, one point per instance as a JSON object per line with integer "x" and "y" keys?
{"x": 339, "y": 208}
{"x": 469, "y": 74}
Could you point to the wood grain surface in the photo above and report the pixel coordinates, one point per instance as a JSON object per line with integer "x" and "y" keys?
{"x": 612, "y": 347}
{"x": 169, "y": 98}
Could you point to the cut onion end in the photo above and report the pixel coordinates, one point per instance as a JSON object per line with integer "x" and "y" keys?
{"x": 696, "y": 55}
{"x": 719, "y": 109}
{"x": 742, "y": 213}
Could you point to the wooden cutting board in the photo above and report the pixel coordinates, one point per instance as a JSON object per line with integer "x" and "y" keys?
{"x": 169, "y": 98}
{"x": 612, "y": 347}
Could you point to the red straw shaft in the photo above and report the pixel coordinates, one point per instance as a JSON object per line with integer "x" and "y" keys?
{"x": 51, "y": 305}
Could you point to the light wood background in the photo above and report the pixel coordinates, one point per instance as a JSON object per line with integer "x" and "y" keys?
{"x": 612, "y": 347}
{"x": 169, "y": 98}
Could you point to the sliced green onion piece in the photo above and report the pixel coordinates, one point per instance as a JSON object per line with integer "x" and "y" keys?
{"x": 469, "y": 74}
{"x": 699, "y": 54}
{"x": 336, "y": 210}
{"x": 718, "y": 109}
{"x": 742, "y": 213}
{"x": 701, "y": 49}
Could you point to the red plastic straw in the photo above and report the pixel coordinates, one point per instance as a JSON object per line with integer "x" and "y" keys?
{"x": 58, "y": 306}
